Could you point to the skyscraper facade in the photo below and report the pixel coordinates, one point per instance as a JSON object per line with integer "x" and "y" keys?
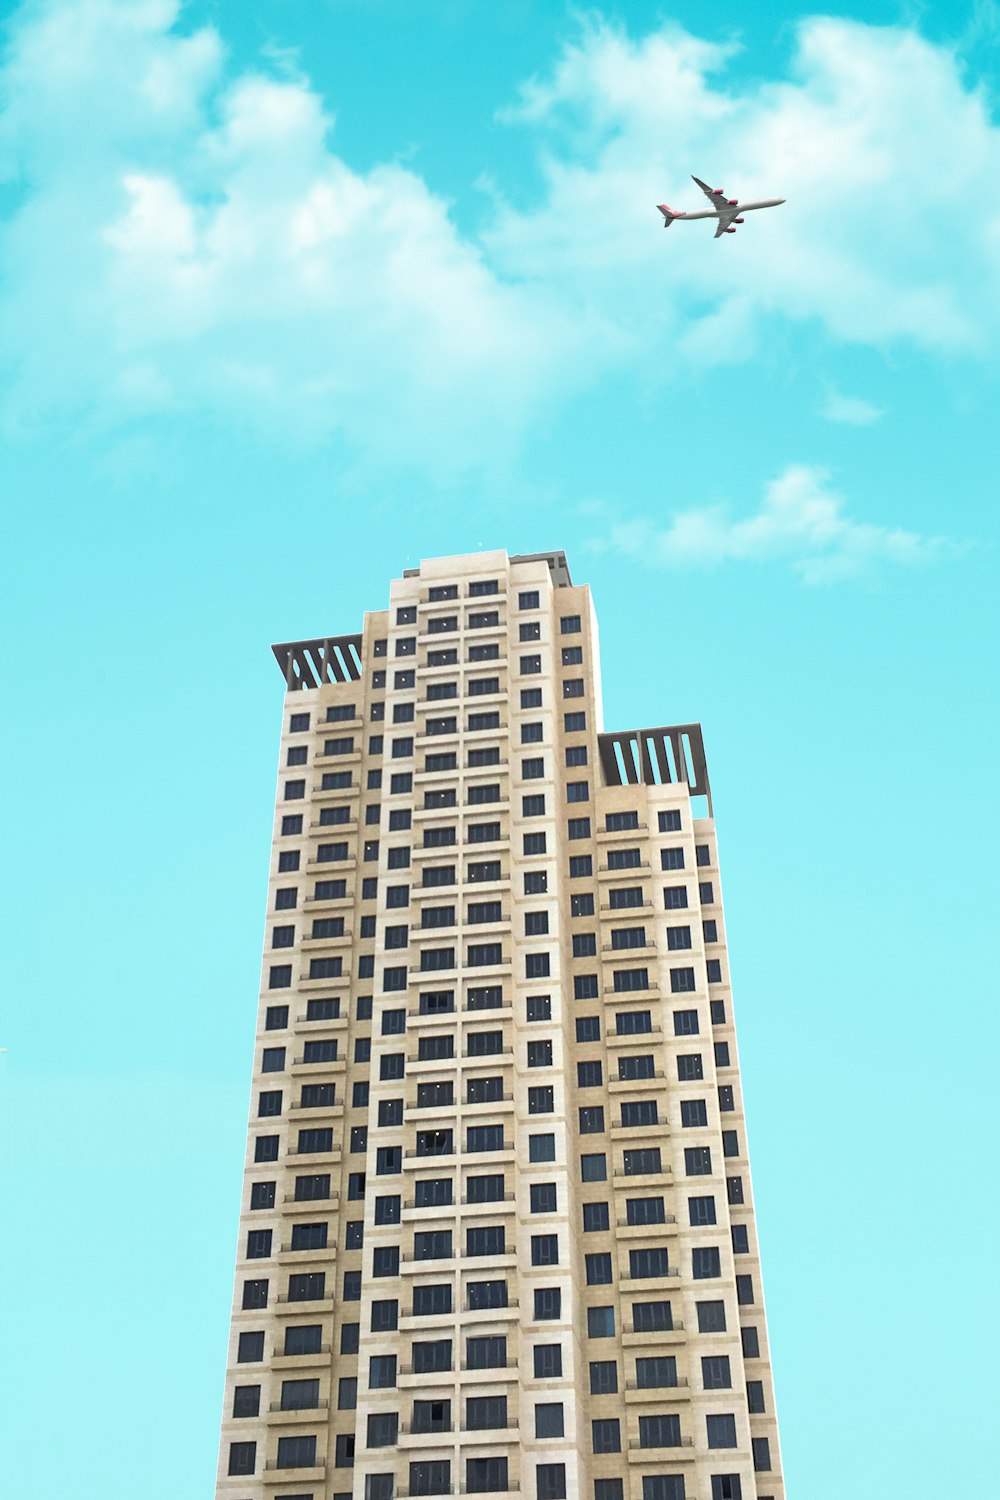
{"x": 497, "y": 1232}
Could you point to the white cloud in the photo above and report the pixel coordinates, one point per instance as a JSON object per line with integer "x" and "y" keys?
{"x": 800, "y": 522}
{"x": 875, "y": 139}
{"x": 850, "y": 411}
{"x": 189, "y": 242}
{"x": 187, "y": 239}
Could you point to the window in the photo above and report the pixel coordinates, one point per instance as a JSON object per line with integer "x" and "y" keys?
{"x": 579, "y": 828}
{"x": 694, "y": 1112}
{"x": 547, "y": 1361}
{"x": 701, "y": 1210}
{"x": 269, "y": 1104}
{"x": 246, "y": 1401}
{"x": 721, "y": 1431}
{"x": 652, "y": 1317}
{"x": 589, "y": 1075}
{"x": 429, "y": 1300}
{"x": 550, "y": 1481}
{"x": 726, "y": 1487}
{"x": 485, "y": 1239}
{"x": 539, "y": 1008}
{"x": 592, "y": 1119}
{"x": 581, "y": 865}
{"x": 697, "y": 1161}
{"x": 266, "y": 1148}
{"x": 431, "y": 1477}
{"x": 288, "y": 860}
{"x": 594, "y": 1167}
{"x": 432, "y": 1356}
{"x": 242, "y": 1458}
{"x": 549, "y": 1422}
{"x": 678, "y": 938}
{"x": 600, "y": 1322}
{"x": 385, "y": 1260}
{"x": 318, "y": 1095}
{"x": 596, "y": 1217}
{"x": 711, "y": 1317}
{"x": 485, "y": 1475}
{"x": 382, "y": 1367}
{"x": 541, "y": 1148}
{"x": 485, "y": 1412}
{"x": 660, "y": 1431}
{"x": 686, "y": 1022}
{"x": 541, "y": 1101}
{"x": 544, "y": 1249}
{"x": 647, "y": 1263}
{"x": 645, "y": 1211}
{"x": 486, "y": 1353}
{"x": 640, "y": 1113}
{"x": 744, "y": 1291}
{"x": 262, "y": 1194}
{"x": 606, "y": 1435}
{"x": 530, "y": 665}
{"x": 442, "y": 591}
{"x": 656, "y": 1373}
{"x": 598, "y": 1269}
{"x": 309, "y": 1236}
{"x": 543, "y": 1197}
{"x": 300, "y": 1395}
{"x": 484, "y": 1295}
{"x": 540, "y": 1054}
{"x": 385, "y": 1316}
{"x": 296, "y": 1452}
{"x": 484, "y": 997}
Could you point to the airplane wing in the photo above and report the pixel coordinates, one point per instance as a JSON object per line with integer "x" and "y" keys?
{"x": 724, "y": 224}
{"x": 715, "y": 196}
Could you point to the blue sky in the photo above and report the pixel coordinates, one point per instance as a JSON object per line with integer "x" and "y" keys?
{"x": 296, "y": 293}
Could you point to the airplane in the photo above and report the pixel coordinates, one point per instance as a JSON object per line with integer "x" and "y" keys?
{"x": 728, "y": 211}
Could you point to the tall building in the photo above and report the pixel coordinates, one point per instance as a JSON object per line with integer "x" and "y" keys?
{"x": 497, "y": 1232}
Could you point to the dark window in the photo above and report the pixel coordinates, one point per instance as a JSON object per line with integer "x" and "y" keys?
{"x": 640, "y": 1163}
{"x": 711, "y": 1317}
{"x": 697, "y": 1161}
{"x": 606, "y": 1435}
{"x": 547, "y": 1361}
{"x": 296, "y": 1452}
{"x": 721, "y": 1430}
{"x": 544, "y": 1249}
{"x": 242, "y": 1458}
{"x": 656, "y": 1373}
{"x": 542, "y": 1148}
{"x": 550, "y": 1479}
{"x": 598, "y": 1269}
{"x": 596, "y": 1217}
{"x": 592, "y": 1119}
{"x": 726, "y": 1487}
{"x": 652, "y": 1317}
{"x": 246, "y": 1401}
{"x": 660, "y": 1431}
{"x": 694, "y": 1112}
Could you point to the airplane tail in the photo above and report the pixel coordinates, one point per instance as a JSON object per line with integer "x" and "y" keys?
{"x": 668, "y": 214}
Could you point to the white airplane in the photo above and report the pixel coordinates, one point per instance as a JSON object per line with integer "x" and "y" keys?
{"x": 728, "y": 211}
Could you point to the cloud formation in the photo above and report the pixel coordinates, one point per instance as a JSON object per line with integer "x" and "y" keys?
{"x": 850, "y": 411}
{"x": 185, "y": 238}
{"x": 800, "y": 522}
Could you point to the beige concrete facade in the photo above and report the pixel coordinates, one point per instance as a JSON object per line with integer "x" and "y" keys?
{"x": 497, "y": 1232}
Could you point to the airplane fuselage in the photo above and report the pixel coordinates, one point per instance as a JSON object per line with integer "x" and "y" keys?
{"x": 726, "y": 213}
